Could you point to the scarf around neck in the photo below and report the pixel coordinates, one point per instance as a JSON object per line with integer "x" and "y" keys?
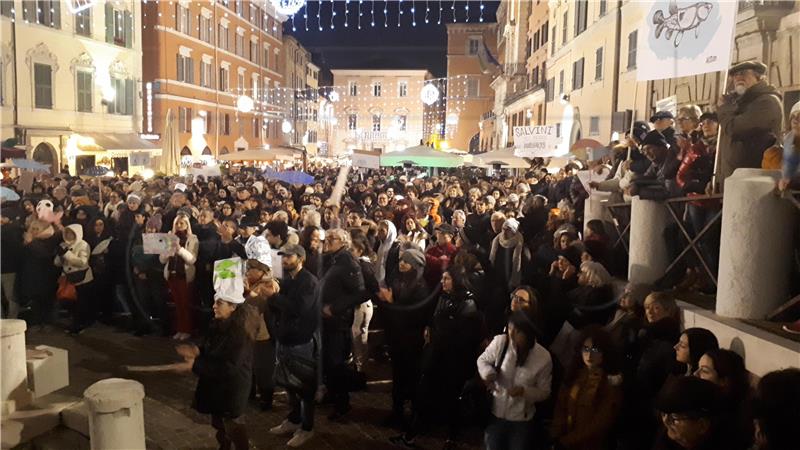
{"x": 516, "y": 242}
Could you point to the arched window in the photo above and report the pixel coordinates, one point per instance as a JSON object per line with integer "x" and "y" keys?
{"x": 223, "y": 151}
{"x": 185, "y": 151}
{"x": 207, "y": 151}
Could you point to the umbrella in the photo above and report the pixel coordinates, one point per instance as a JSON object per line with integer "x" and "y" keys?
{"x": 260, "y": 154}
{"x": 421, "y": 156}
{"x": 289, "y": 176}
{"x": 170, "y": 145}
{"x": 8, "y": 195}
{"x": 28, "y": 164}
{"x": 503, "y": 157}
{"x": 96, "y": 171}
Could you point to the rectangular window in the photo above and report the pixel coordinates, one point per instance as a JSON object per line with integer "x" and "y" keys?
{"x": 184, "y": 119}
{"x": 5, "y": 9}
{"x": 533, "y": 44}
{"x": 254, "y": 87}
{"x": 183, "y": 21}
{"x": 240, "y": 84}
{"x": 222, "y": 37}
{"x": 265, "y": 90}
{"x": 43, "y": 12}
{"x": 603, "y": 7}
{"x": 473, "y": 88}
{"x": 594, "y": 126}
{"x": 561, "y": 82}
{"x": 598, "y": 64}
{"x": 43, "y": 86}
{"x": 581, "y": 12}
{"x": 553, "y": 46}
{"x": 544, "y": 30}
{"x": 254, "y": 52}
{"x": 83, "y": 22}
{"x": 256, "y": 126}
{"x": 401, "y": 122}
{"x": 535, "y": 76}
{"x": 224, "y": 124}
{"x": 632, "y": 43}
{"x": 84, "y": 88}
{"x": 376, "y": 122}
{"x": 205, "y": 29}
{"x": 402, "y": 89}
{"x": 206, "y": 75}
{"x": 224, "y": 79}
{"x": 185, "y": 69}
{"x": 265, "y": 61}
{"x": 239, "y": 7}
{"x": 352, "y": 87}
{"x": 577, "y": 74}
{"x": 564, "y": 29}
{"x": 474, "y": 44}
{"x": 376, "y": 88}
{"x": 123, "y": 97}
{"x": 352, "y": 121}
{"x": 239, "y": 44}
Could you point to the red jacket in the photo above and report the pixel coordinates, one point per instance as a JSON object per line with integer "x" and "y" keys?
{"x": 437, "y": 259}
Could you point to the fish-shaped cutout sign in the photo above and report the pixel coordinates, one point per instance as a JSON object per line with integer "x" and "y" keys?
{"x": 681, "y": 20}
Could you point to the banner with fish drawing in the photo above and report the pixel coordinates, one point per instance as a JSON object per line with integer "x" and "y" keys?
{"x": 684, "y": 38}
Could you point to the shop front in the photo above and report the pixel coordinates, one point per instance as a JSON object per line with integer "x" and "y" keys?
{"x": 120, "y": 152}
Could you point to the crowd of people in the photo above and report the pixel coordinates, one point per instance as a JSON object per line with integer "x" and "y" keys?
{"x": 496, "y": 308}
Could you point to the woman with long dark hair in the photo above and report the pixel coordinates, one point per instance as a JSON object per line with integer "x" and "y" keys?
{"x": 518, "y": 371}
{"x": 694, "y": 343}
{"x": 453, "y": 340}
{"x": 223, "y": 365}
{"x": 590, "y": 397}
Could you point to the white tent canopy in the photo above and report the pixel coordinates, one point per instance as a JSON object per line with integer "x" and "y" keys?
{"x": 421, "y": 156}
{"x": 503, "y": 157}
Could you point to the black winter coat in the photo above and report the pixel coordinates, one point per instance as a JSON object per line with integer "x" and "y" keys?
{"x": 224, "y": 368}
{"x": 10, "y": 257}
{"x": 341, "y": 288}
{"x": 294, "y": 312}
{"x": 37, "y": 273}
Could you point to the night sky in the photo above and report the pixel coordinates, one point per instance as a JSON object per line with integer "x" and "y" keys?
{"x": 381, "y": 46}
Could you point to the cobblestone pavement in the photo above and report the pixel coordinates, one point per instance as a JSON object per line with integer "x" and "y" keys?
{"x": 170, "y": 423}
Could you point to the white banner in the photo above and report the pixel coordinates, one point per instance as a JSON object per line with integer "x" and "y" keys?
{"x": 366, "y": 159}
{"x": 536, "y": 141}
{"x": 685, "y": 38}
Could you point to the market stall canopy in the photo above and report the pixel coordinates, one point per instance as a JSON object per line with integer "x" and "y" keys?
{"x": 26, "y": 164}
{"x": 503, "y": 157}
{"x": 421, "y": 156}
{"x": 95, "y": 142}
{"x": 261, "y": 154}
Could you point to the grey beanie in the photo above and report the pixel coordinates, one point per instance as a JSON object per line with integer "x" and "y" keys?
{"x": 413, "y": 257}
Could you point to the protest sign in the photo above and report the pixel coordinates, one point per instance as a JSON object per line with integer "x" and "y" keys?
{"x": 159, "y": 243}
{"x": 536, "y": 141}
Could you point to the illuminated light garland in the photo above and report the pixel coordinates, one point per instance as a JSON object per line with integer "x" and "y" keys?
{"x": 333, "y": 15}
{"x": 373, "y": 14}
{"x": 319, "y": 20}
{"x": 346, "y": 12}
{"x": 481, "y": 7}
{"x": 427, "y": 10}
{"x": 360, "y": 13}
{"x": 385, "y": 14}
{"x": 400, "y": 12}
{"x": 453, "y": 9}
{"x": 413, "y": 13}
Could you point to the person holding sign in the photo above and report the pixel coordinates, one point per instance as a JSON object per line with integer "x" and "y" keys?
{"x": 179, "y": 272}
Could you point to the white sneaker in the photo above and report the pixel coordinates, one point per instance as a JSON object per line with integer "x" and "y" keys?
{"x": 285, "y": 427}
{"x": 300, "y": 437}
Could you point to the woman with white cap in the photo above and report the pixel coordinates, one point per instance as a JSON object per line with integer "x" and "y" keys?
{"x": 791, "y": 150}
{"x": 223, "y": 365}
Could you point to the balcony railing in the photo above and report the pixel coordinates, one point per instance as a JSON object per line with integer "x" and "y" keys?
{"x": 522, "y": 92}
{"x": 515, "y": 69}
{"x": 488, "y": 115}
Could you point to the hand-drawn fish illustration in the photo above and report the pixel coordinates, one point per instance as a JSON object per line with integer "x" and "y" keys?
{"x": 681, "y": 19}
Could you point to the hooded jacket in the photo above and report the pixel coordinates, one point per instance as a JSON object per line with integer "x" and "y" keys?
{"x": 383, "y": 251}
{"x": 749, "y": 125}
{"x": 187, "y": 253}
{"x": 75, "y": 258}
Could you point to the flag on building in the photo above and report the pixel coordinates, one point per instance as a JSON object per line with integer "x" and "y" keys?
{"x": 680, "y": 39}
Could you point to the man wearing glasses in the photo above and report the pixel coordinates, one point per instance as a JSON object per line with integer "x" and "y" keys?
{"x": 751, "y": 117}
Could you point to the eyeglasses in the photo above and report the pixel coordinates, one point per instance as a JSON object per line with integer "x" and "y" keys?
{"x": 594, "y": 350}
{"x": 519, "y": 299}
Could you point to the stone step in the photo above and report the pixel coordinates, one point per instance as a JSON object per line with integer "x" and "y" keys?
{"x": 42, "y": 416}
{"x": 76, "y": 417}
{"x": 48, "y": 369}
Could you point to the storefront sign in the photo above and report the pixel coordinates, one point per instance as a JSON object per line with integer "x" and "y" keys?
{"x": 536, "y": 141}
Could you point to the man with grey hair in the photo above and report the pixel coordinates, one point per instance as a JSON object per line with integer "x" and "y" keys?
{"x": 341, "y": 289}
{"x": 750, "y": 117}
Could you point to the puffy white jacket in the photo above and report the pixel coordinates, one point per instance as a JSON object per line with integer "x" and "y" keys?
{"x": 76, "y": 258}
{"x": 535, "y": 377}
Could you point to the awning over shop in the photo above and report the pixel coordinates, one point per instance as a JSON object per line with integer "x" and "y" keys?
{"x": 95, "y": 142}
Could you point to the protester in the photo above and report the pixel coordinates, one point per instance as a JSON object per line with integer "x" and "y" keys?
{"x": 775, "y": 410}
{"x": 73, "y": 258}
{"x": 690, "y": 410}
{"x": 791, "y": 150}
{"x": 519, "y": 372}
{"x": 692, "y": 345}
{"x": 179, "y": 272}
{"x": 751, "y": 118}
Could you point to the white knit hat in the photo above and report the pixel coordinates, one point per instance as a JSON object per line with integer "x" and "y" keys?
{"x": 795, "y": 108}
{"x": 235, "y": 297}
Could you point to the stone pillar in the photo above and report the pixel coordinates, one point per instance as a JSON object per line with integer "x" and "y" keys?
{"x": 14, "y": 378}
{"x": 594, "y": 208}
{"x": 648, "y": 257}
{"x": 116, "y": 414}
{"x": 756, "y": 247}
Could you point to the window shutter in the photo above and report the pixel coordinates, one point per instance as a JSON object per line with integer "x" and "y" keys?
{"x": 178, "y": 21}
{"x": 179, "y": 65}
{"x": 111, "y": 103}
{"x": 29, "y": 10}
{"x": 56, "y": 5}
{"x": 189, "y": 70}
{"x": 129, "y": 106}
{"x": 128, "y": 24}
{"x": 109, "y": 23}
{"x": 210, "y": 80}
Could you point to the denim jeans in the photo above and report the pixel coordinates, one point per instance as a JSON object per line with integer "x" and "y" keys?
{"x": 504, "y": 434}
{"x": 302, "y": 407}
